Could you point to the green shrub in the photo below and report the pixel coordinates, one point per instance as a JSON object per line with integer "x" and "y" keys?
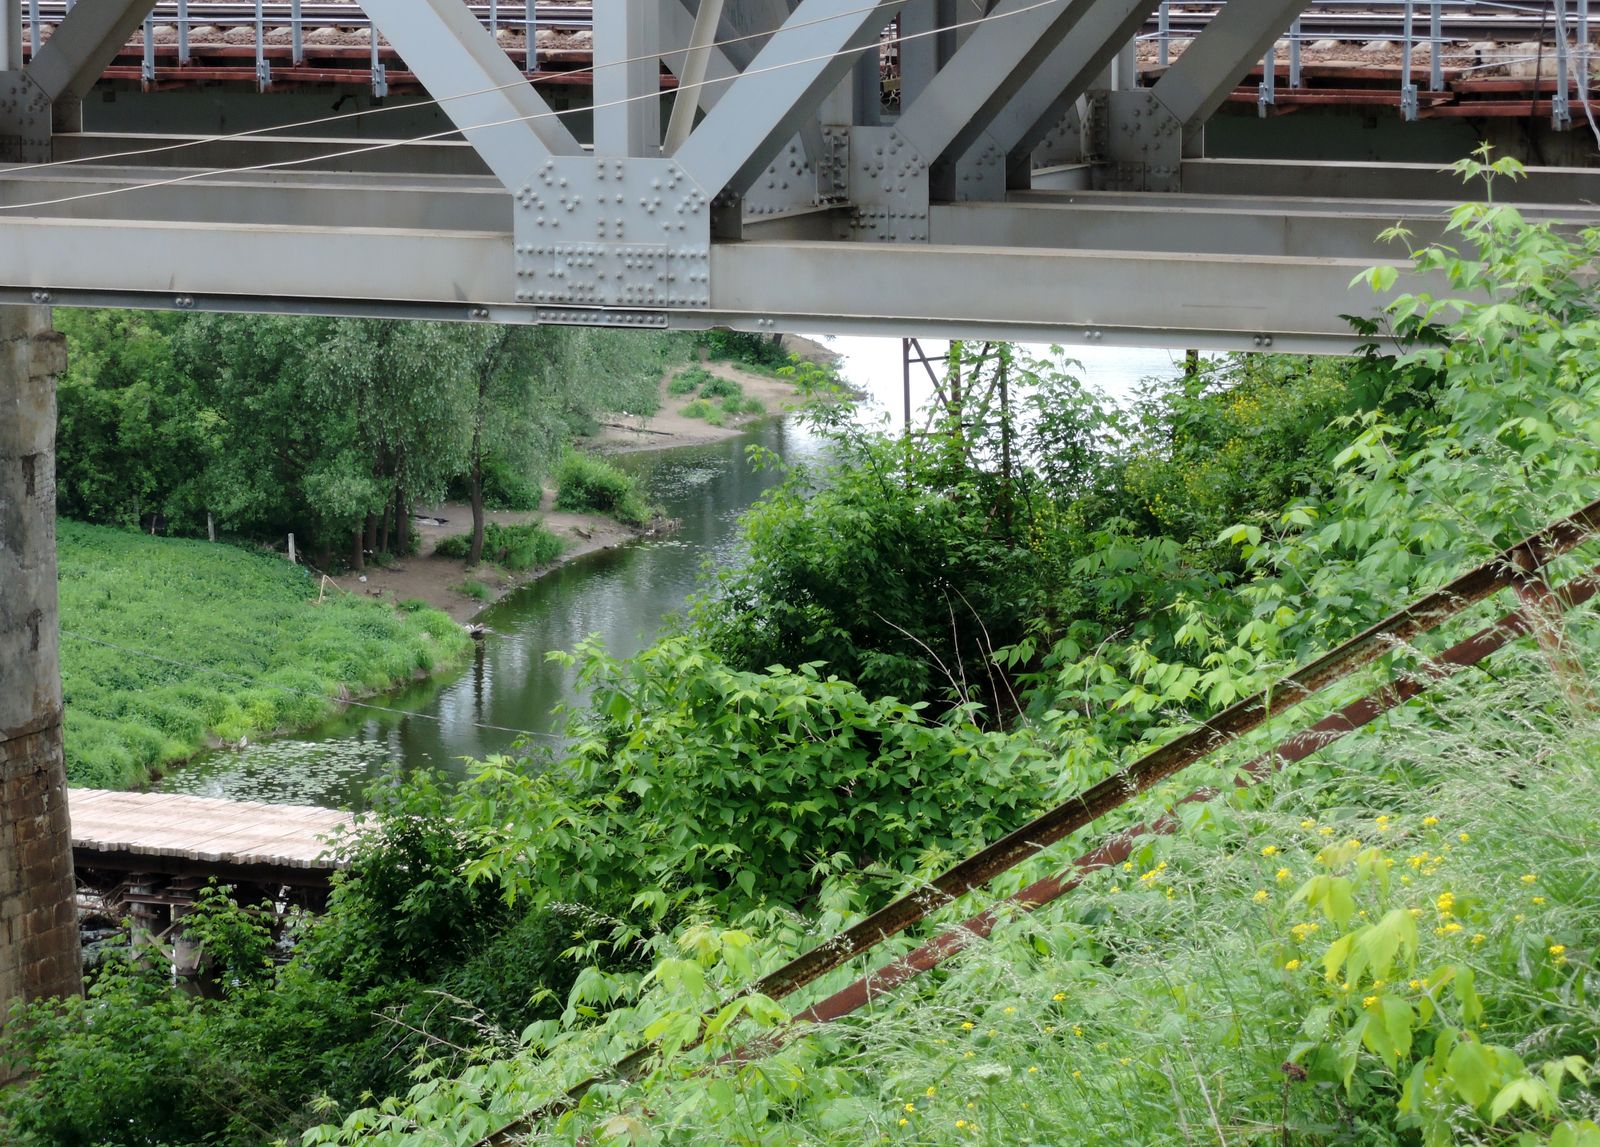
{"x": 516, "y": 548}
{"x": 733, "y": 404}
{"x": 688, "y": 381}
{"x": 699, "y": 408}
{"x": 587, "y": 484}
{"x": 717, "y": 387}
{"x": 753, "y": 406}
{"x": 475, "y": 589}
{"x": 751, "y": 349}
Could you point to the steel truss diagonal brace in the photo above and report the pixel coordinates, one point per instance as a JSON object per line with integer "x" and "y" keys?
{"x": 1043, "y": 99}
{"x": 480, "y": 89}
{"x": 84, "y": 44}
{"x": 805, "y": 59}
{"x": 1212, "y": 66}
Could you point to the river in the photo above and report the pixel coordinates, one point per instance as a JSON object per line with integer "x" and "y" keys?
{"x": 623, "y": 596}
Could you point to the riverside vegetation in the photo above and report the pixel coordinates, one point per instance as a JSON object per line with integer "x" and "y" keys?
{"x": 928, "y": 640}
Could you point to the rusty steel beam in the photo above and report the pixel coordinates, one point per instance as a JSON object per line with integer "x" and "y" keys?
{"x": 1507, "y": 569}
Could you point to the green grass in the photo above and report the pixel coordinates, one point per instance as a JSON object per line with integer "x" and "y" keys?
{"x": 586, "y": 484}
{"x": 688, "y": 381}
{"x": 515, "y": 548}
{"x": 476, "y": 590}
{"x": 240, "y": 631}
{"x": 718, "y": 387}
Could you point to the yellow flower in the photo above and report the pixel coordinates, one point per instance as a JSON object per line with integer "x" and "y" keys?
{"x": 1059, "y": 996}
{"x": 1301, "y": 931}
{"x": 968, "y": 1054}
{"x": 1127, "y": 866}
{"x": 911, "y": 1107}
{"x": 1010, "y": 1011}
{"x": 904, "y": 1121}
{"x": 1429, "y": 821}
{"x": 1446, "y": 904}
{"x": 1416, "y": 911}
{"x": 1124, "y": 1061}
{"x": 1416, "y": 985}
{"x": 1518, "y": 918}
{"x": 1557, "y": 949}
{"x": 1032, "y": 1070}
{"x": 968, "y": 1026}
{"x": 1270, "y": 850}
{"x": 931, "y": 1092}
{"x": 1352, "y": 843}
{"x": 1077, "y": 1075}
{"x": 1261, "y": 894}
{"x": 1538, "y": 899}
{"x": 1448, "y": 929}
{"x": 1308, "y": 823}
{"x": 1292, "y": 965}
{"x": 1368, "y": 1001}
{"x": 1463, "y": 837}
{"x": 1282, "y": 874}
{"x": 1325, "y": 830}
{"x": 1116, "y": 888}
{"x": 1529, "y": 878}
{"x": 960, "y": 1123}
{"x": 1077, "y": 1031}
{"x": 1478, "y": 937}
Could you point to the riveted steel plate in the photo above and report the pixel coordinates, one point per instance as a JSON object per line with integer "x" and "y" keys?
{"x": 612, "y": 232}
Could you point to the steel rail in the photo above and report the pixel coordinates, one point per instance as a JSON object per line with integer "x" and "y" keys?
{"x": 1518, "y": 565}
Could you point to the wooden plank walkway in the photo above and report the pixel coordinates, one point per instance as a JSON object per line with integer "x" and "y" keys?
{"x": 176, "y": 830}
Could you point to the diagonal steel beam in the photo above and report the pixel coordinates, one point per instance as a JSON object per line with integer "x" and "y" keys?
{"x": 677, "y": 36}
{"x": 1218, "y": 58}
{"x": 482, "y": 91}
{"x": 804, "y": 60}
{"x": 627, "y": 78}
{"x": 986, "y": 73}
{"x": 84, "y": 44}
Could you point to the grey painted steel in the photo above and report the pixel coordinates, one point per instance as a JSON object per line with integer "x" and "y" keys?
{"x": 985, "y": 74}
{"x": 1219, "y": 57}
{"x": 432, "y": 157}
{"x": 780, "y": 90}
{"x": 677, "y": 33}
{"x": 84, "y": 44}
{"x": 10, "y": 35}
{"x": 627, "y": 79}
{"x": 692, "y": 74}
{"x": 460, "y": 64}
{"x": 924, "y": 48}
{"x": 1577, "y": 186}
{"x": 1065, "y": 75}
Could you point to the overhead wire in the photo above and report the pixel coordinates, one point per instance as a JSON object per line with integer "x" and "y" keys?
{"x": 331, "y": 698}
{"x": 551, "y": 113}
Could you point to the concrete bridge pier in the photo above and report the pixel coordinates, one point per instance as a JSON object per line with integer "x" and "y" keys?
{"x": 38, "y": 914}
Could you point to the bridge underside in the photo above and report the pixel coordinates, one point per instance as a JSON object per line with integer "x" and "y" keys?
{"x": 1028, "y": 188}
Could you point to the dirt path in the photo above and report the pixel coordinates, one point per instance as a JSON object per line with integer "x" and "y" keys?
{"x": 439, "y": 581}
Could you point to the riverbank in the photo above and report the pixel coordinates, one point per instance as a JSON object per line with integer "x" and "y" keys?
{"x": 170, "y": 646}
{"x": 448, "y": 585}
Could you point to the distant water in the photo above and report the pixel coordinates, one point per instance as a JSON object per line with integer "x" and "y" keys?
{"x": 623, "y": 596}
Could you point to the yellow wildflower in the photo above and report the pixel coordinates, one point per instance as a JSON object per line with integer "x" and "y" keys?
{"x": 1325, "y": 830}
{"x": 1270, "y": 850}
{"x": 1077, "y": 1031}
{"x": 1077, "y": 1075}
{"x": 1368, "y": 1001}
{"x": 1010, "y": 1011}
{"x": 960, "y": 1123}
{"x": 1429, "y": 821}
{"x": 904, "y": 1121}
{"x": 968, "y": 1026}
{"x": 1557, "y": 949}
{"x": 1463, "y": 837}
{"x": 1059, "y": 996}
{"x": 1529, "y": 878}
{"x": 1124, "y": 1061}
{"x": 1308, "y": 823}
{"x": 1282, "y": 874}
{"x": 1261, "y": 894}
{"x": 1291, "y": 966}
{"x": 930, "y": 1092}
{"x": 1538, "y": 899}
{"x": 1446, "y": 904}
{"x": 1415, "y": 985}
{"x": 1032, "y": 1070}
{"x": 1478, "y": 937}
{"x": 911, "y": 1107}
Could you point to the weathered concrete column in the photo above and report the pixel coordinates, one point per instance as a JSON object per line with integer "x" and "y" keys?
{"x": 38, "y": 915}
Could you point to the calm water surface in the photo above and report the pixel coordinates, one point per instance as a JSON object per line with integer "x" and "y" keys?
{"x": 622, "y": 596}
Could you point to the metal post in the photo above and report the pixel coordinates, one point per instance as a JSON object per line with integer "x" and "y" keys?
{"x": 33, "y": 27}
{"x": 297, "y": 49}
{"x": 1164, "y": 33}
{"x": 905, "y": 379}
{"x": 39, "y": 954}
{"x": 11, "y": 35}
{"x": 1266, "y": 93}
{"x": 530, "y": 29}
{"x": 1436, "y": 34}
{"x": 1408, "y": 90}
{"x": 263, "y": 67}
{"x": 1561, "y": 105}
{"x": 1584, "y": 51}
{"x": 380, "y": 74}
{"x": 494, "y": 17}
{"x": 183, "y": 31}
{"x": 147, "y": 65}
{"x": 693, "y": 77}
{"x": 1294, "y": 55}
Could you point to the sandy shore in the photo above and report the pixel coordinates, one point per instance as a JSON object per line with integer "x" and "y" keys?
{"x": 438, "y": 581}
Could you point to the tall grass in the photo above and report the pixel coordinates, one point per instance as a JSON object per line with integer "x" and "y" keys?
{"x": 169, "y": 643}
{"x": 587, "y": 484}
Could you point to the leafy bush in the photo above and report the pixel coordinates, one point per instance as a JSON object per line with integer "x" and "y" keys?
{"x": 699, "y": 408}
{"x": 752, "y": 406}
{"x": 587, "y": 484}
{"x": 688, "y": 381}
{"x": 515, "y": 548}
{"x": 752, "y": 349}
{"x": 476, "y": 590}
{"x": 716, "y": 386}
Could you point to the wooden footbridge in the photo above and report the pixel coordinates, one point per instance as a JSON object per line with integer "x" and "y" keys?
{"x": 158, "y": 848}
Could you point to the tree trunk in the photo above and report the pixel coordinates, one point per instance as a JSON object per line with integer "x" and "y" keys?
{"x": 372, "y": 534}
{"x": 358, "y": 560}
{"x": 39, "y": 954}
{"x": 475, "y": 552}
{"x": 402, "y": 523}
{"x": 383, "y": 527}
